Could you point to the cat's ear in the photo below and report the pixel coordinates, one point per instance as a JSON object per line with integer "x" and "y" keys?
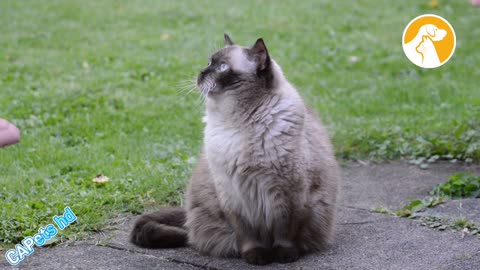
{"x": 227, "y": 40}
{"x": 260, "y": 53}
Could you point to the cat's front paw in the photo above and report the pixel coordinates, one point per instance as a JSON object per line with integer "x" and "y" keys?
{"x": 258, "y": 256}
{"x": 285, "y": 254}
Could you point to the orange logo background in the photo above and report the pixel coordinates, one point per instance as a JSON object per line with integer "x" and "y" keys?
{"x": 445, "y": 47}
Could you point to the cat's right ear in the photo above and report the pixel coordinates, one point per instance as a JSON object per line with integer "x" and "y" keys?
{"x": 227, "y": 40}
{"x": 260, "y": 54}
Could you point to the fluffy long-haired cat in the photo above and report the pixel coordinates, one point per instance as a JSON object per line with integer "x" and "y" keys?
{"x": 266, "y": 183}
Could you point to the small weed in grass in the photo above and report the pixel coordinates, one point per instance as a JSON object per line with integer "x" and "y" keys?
{"x": 441, "y": 224}
{"x": 460, "y": 185}
{"x": 419, "y": 205}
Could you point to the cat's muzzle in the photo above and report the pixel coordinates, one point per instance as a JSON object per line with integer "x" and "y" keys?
{"x": 205, "y": 84}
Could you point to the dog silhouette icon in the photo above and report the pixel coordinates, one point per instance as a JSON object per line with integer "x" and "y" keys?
{"x": 429, "y": 45}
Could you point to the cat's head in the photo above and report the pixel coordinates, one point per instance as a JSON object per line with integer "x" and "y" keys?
{"x": 235, "y": 69}
{"x": 425, "y": 45}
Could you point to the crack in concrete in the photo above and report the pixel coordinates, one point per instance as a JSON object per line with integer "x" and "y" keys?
{"x": 167, "y": 259}
{"x": 357, "y": 223}
{"x": 201, "y": 266}
{"x": 353, "y": 207}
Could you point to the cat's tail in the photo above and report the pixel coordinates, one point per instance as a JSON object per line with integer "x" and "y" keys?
{"x": 161, "y": 229}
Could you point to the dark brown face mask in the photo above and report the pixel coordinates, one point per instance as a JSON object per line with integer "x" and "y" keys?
{"x": 236, "y": 68}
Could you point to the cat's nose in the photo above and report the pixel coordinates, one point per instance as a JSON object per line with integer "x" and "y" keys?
{"x": 202, "y": 74}
{"x": 200, "y": 78}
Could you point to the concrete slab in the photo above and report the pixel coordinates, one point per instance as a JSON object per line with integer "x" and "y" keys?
{"x": 391, "y": 185}
{"x": 364, "y": 241}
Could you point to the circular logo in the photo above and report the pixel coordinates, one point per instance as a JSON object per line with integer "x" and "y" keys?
{"x": 429, "y": 41}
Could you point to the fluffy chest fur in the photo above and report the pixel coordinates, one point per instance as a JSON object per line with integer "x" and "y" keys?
{"x": 253, "y": 160}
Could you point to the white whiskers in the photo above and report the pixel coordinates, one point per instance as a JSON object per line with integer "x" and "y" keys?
{"x": 207, "y": 86}
{"x": 185, "y": 87}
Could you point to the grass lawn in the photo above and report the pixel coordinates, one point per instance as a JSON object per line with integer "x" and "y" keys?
{"x": 95, "y": 87}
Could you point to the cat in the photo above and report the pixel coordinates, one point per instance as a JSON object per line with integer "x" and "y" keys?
{"x": 266, "y": 182}
{"x": 427, "y": 50}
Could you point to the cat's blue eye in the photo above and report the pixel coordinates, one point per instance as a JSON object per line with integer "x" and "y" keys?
{"x": 223, "y": 67}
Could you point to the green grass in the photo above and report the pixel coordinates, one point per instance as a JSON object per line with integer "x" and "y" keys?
{"x": 459, "y": 185}
{"x": 94, "y": 87}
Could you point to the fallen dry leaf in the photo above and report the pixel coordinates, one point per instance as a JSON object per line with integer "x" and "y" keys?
{"x": 353, "y": 59}
{"x": 165, "y": 36}
{"x": 101, "y": 179}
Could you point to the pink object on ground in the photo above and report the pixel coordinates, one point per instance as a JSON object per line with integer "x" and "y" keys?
{"x": 475, "y": 2}
{"x": 9, "y": 134}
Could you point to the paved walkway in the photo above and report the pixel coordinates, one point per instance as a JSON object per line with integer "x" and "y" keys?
{"x": 365, "y": 240}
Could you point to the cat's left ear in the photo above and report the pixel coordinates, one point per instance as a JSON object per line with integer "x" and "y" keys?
{"x": 227, "y": 40}
{"x": 260, "y": 54}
